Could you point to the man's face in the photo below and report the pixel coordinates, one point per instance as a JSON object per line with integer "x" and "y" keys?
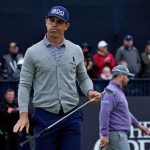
{"x": 148, "y": 48}
{"x": 10, "y": 96}
{"x": 85, "y": 49}
{"x": 106, "y": 72}
{"x": 128, "y": 43}
{"x": 14, "y": 50}
{"x": 124, "y": 80}
{"x": 56, "y": 27}
{"x": 104, "y": 49}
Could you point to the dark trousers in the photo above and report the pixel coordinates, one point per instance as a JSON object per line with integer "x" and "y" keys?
{"x": 64, "y": 136}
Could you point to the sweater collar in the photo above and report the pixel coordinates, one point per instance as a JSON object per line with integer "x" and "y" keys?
{"x": 49, "y": 44}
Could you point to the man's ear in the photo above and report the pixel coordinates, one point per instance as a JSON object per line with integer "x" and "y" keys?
{"x": 67, "y": 26}
{"x": 46, "y": 20}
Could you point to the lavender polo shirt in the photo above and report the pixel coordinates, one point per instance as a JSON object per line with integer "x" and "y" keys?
{"x": 115, "y": 114}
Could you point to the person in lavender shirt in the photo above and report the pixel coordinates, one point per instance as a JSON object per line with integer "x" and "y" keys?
{"x": 115, "y": 117}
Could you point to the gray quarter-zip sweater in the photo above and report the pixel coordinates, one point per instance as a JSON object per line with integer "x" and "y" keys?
{"x": 54, "y": 83}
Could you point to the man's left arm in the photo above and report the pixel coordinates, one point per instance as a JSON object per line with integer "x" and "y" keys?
{"x": 136, "y": 123}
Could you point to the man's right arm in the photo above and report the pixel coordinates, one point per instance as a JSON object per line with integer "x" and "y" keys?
{"x": 107, "y": 104}
{"x": 26, "y": 78}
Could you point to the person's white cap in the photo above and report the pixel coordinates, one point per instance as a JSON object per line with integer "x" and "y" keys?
{"x": 102, "y": 44}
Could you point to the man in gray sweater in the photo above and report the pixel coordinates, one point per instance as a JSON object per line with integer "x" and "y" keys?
{"x": 53, "y": 65}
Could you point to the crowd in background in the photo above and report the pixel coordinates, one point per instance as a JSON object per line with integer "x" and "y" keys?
{"x": 9, "y": 115}
{"x": 11, "y": 63}
{"x": 98, "y": 63}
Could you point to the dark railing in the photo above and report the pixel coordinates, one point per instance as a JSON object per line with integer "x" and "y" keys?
{"x": 136, "y": 87}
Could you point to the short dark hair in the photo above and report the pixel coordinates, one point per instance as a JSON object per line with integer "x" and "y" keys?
{"x": 9, "y": 90}
{"x": 115, "y": 76}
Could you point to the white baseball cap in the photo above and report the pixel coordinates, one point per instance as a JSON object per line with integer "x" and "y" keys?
{"x": 102, "y": 44}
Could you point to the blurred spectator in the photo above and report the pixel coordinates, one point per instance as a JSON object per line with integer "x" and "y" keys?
{"x": 127, "y": 52}
{"x": 86, "y": 48}
{"x": 123, "y": 62}
{"x": 106, "y": 74}
{"x": 146, "y": 61}
{"x": 0, "y": 70}
{"x": 1, "y": 138}
{"x": 9, "y": 115}
{"x": 103, "y": 58}
{"x": 12, "y": 62}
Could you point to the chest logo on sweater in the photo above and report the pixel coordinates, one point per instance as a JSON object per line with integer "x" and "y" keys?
{"x": 73, "y": 62}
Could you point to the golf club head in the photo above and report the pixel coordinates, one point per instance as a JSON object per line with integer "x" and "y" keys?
{"x": 110, "y": 92}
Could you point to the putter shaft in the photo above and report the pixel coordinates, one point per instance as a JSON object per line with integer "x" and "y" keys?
{"x": 42, "y": 131}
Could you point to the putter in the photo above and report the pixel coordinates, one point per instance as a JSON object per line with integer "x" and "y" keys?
{"x": 55, "y": 123}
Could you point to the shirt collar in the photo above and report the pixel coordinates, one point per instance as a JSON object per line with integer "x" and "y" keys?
{"x": 115, "y": 84}
{"x": 49, "y": 44}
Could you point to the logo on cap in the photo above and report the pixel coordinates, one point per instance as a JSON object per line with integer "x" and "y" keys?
{"x": 58, "y": 12}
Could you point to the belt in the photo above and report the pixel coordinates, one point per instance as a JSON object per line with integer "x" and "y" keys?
{"x": 125, "y": 131}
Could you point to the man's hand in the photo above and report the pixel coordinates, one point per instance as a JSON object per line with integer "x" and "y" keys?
{"x": 10, "y": 110}
{"x": 94, "y": 95}
{"x": 107, "y": 60}
{"x": 22, "y": 123}
{"x": 145, "y": 130}
{"x": 104, "y": 141}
